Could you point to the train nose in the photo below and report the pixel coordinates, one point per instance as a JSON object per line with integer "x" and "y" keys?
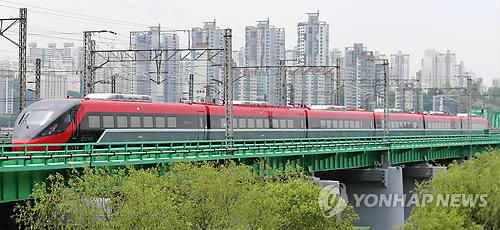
{"x": 19, "y": 142}
{"x": 26, "y": 142}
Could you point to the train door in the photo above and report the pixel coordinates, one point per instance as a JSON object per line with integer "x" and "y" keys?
{"x": 303, "y": 131}
{"x": 201, "y": 125}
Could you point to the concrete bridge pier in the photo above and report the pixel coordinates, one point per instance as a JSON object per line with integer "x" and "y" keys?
{"x": 413, "y": 174}
{"x": 376, "y": 194}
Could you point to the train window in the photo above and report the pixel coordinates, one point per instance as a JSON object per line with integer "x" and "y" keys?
{"x": 322, "y": 124}
{"x": 160, "y": 122}
{"x": 329, "y": 124}
{"x": 266, "y": 123}
{"x": 357, "y": 125}
{"x": 108, "y": 121}
{"x": 147, "y": 121}
{"x": 94, "y": 122}
{"x": 283, "y": 123}
{"x": 334, "y": 124}
{"x": 275, "y": 123}
{"x": 223, "y": 122}
{"x": 414, "y": 125}
{"x": 243, "y": 123}
{"x": 172, "y": 122}
{"x": 301, "y": 124}
{"x": 251, "y": 123}
{"x": 235, "y": 123}
{"x": 121, "y": 122}
{"x": 346, "y": 124}
{"x": 290, "y": 124}
{"x": 351, "y": 124}
{"x": 260, "y": 123}
{"x": 135, "y": 121}
{"x": 341, "y": 124}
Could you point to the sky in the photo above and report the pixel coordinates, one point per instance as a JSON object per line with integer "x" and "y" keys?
{"x": 470, "y": 29}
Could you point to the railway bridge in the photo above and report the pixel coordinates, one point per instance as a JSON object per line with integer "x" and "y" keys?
{"x": 363, "y": 164}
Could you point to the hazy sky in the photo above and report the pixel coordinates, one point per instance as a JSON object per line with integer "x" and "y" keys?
{"x": 469, "y": 28}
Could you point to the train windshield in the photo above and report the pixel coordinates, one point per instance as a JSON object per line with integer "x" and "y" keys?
{"x": 36, "y": 117}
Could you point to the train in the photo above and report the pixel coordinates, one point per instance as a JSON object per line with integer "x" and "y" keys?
{"x": 105, "y": 118}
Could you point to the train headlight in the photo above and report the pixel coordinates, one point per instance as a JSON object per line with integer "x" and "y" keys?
{"x": 50, "y": 130}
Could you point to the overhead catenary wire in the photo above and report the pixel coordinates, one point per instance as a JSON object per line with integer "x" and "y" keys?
{"x": 73, "y": 15}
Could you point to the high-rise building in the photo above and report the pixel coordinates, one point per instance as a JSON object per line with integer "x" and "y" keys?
{"x": 400, "y": 68}
{"x": 438, "y": 70}
{"x": 313, "y": 41}
{"x": 146, "y": 78}
{"x": 496, "y": 82}
{"x": 363, "y": 78}
{"x": 6, "y": 90}
{"x": 207, "y": 76}
{"x": 53, "y": 85}
{"x": 404, "y": 87}
{"x": 59, "y": 68}
{"x": 312, "y": 50}
{"x": 462, "y": 75}
{"x": 264, "y": 46}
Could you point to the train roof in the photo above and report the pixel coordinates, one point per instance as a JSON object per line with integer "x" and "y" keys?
{"x": 142, "y": 107}
{"x": 440, "y": 117}
{"x": 400, "y": 116}
{"x": 340, "y": 114}
{"x": 260, "y": 110}
{"x": 475, "y": 119}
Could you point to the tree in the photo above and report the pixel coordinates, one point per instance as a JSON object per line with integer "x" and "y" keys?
{"x": 475, "y": 177}
{"x": 179, "y": 196}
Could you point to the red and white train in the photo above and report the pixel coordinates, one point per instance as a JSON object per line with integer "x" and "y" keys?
{"x": 130, "y": 118}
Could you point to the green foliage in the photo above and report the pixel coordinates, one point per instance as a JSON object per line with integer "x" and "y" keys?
{"x": 184, "y": 196}
{"x": 476, "y": 176}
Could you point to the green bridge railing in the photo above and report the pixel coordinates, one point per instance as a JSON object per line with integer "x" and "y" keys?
{"x": 20, "y": 170}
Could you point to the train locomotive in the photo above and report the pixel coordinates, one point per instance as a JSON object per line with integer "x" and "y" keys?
{"x": 130, "y": 118}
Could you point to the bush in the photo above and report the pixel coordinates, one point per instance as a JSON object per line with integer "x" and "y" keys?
{"x": 186, "y": 196}
{"x": 476, "y": 176}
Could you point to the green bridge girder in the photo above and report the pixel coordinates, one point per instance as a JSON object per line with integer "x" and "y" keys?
{"x": 19, "y": 171}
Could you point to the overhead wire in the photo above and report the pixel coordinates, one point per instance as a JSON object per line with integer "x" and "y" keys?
{"x": 78, "y": 15}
